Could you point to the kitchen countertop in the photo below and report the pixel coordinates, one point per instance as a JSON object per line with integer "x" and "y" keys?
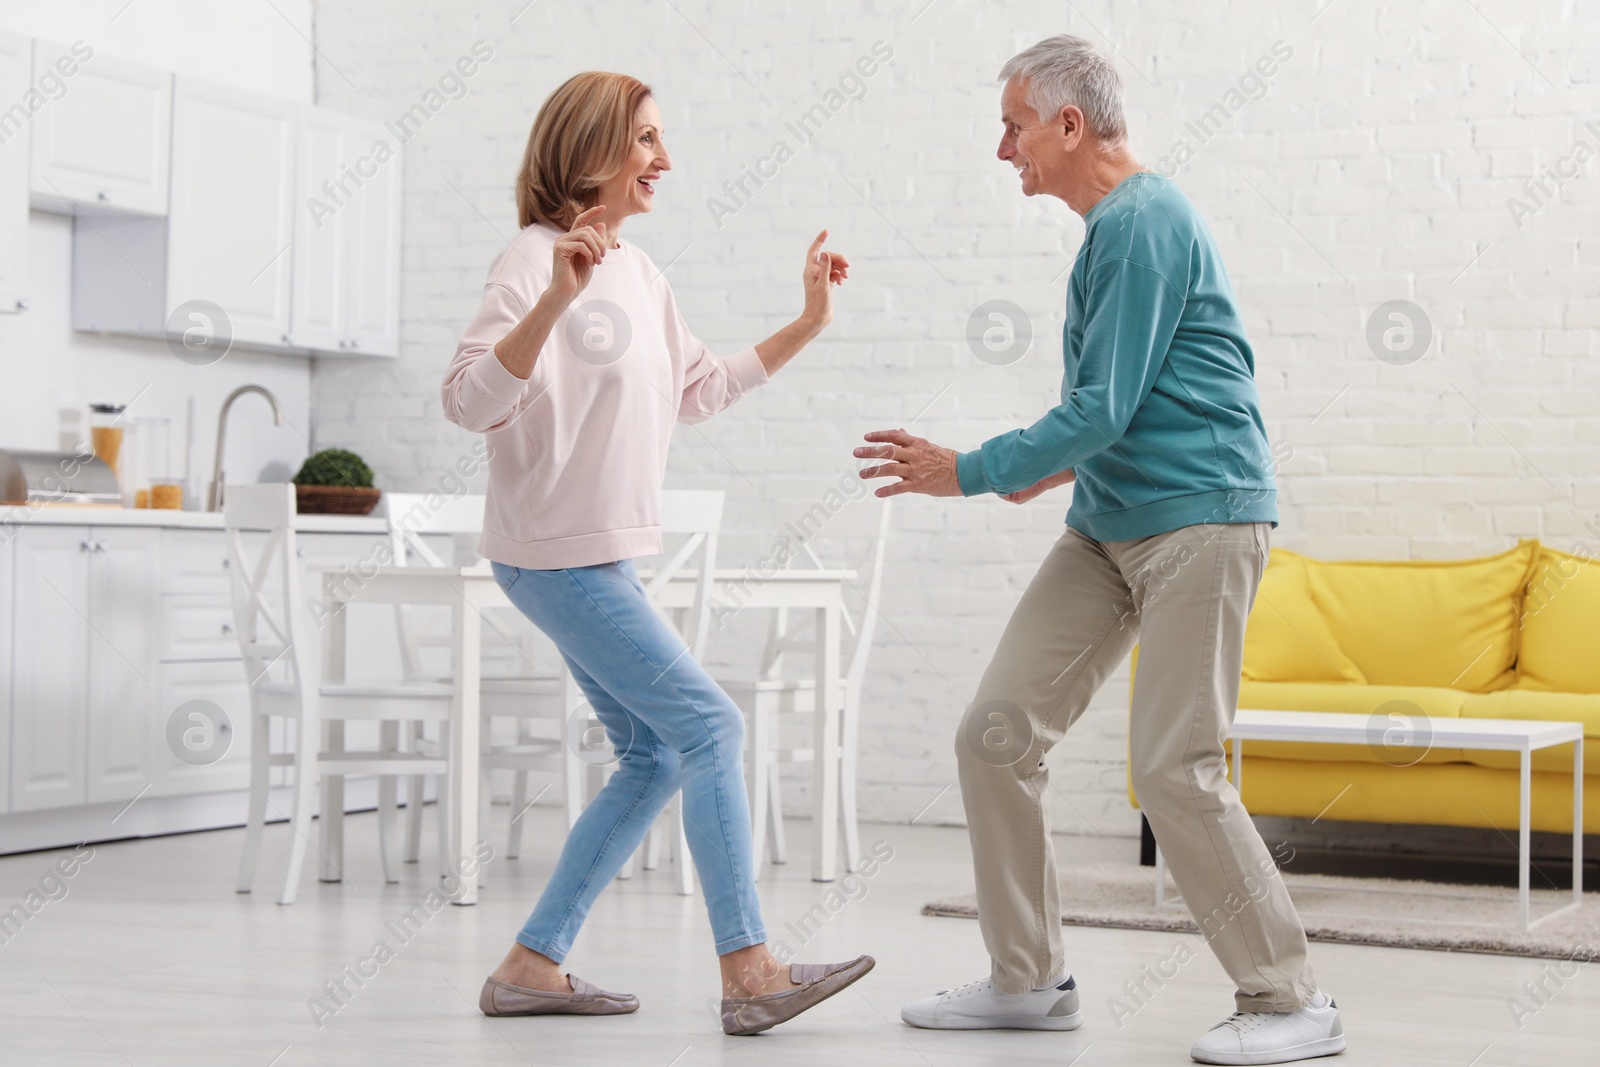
{"x": 88, "y": 515}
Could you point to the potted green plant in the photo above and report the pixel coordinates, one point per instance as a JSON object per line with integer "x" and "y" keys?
{"x": 335, "y": 481}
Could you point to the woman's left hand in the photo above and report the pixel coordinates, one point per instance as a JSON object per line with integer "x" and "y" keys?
{"x": 824, "y": 270}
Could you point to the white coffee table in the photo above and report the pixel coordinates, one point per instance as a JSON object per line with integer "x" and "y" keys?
{"x": 1501, "y": 735}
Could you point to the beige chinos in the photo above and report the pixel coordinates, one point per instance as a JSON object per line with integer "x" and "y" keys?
{"x": 1184, "y": 597}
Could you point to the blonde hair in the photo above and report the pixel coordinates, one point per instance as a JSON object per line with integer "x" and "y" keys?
{"x": 579, "y": 140}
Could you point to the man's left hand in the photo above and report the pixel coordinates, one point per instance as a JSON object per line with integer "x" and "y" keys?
{"x": 1022, "y": 496}
{"x": 922, "y": 466}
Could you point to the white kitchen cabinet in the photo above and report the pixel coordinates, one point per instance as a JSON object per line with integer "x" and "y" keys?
{"x": 221, "y": 259}
{"x": 197, "y": 627}
{"x": 7, "y": 583}
{"x": 372, "y": 286}
{"x": 107, "y": 140}
{"x": 347, "y": 236}
{"x": 50, "y": 688}
{"x": 122, "y": 717}
{"x": 83, "y": 653}
{"x": 105, "y": 631}
{"x": 221, "y": 682}
{"x": 15, "y": 63}
{"x": 271, "y": 224}
{"x": 195, "y": 561}
{"x": 232, "y": 226}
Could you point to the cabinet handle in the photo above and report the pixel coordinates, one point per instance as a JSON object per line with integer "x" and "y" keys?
{"x": 224, "y": 562}
{"x": 227, "y": 627}
{"x": 104, "y": 197}
{"x": 99, "y": 546}
{"x": 23, "y": 305}
{"x": 286, "y": 340}
{"x": 84, "y": 546}
{"x": 354, "y": 343}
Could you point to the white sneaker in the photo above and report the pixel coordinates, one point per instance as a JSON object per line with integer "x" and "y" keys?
{"x": 980, "y": 1006}
{"x": 1274, "y": 1036}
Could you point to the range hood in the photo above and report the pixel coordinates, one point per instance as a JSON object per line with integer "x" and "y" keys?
{"x": 56, "y": 478}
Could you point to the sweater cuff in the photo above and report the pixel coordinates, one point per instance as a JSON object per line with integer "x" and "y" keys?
{"x": 746, "y": 370}
{"x": 495, "y": 380}
{"x": 969, "y": 471}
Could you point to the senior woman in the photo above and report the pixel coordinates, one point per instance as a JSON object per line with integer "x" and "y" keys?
{"x": 575, "y": 368}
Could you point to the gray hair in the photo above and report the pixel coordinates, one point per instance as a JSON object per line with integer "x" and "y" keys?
{"x": 1064, "y": 70}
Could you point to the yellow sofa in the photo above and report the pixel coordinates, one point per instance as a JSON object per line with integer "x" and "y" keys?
{"x": 1510, "y": 636}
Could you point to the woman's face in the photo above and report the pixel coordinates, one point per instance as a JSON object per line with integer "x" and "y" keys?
{"x": 631, "y": 190}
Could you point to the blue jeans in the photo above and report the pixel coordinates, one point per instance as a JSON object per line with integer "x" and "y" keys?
{"x": 670, "y": 726}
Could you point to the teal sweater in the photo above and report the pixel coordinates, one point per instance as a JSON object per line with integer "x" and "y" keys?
{"x": 1159, "y": 415}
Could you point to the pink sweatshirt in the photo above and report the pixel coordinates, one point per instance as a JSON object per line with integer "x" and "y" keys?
{"x": 577, "y": 451}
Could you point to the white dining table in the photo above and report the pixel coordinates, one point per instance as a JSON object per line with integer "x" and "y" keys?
{"x": 821, "y": 591}
{"x": 466, "y": 590}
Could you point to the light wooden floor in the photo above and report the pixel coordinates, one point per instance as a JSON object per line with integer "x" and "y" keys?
{"x": 152, "y": 959}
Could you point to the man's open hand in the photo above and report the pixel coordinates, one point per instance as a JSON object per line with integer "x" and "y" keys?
{"x": 922, "y": 466}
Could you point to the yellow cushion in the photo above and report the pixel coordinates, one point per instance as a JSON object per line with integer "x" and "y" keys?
{"x": 1389, "y": 708}
{"x": 1526, "y": 704}
{"x": 1443, "y": 623}
{"x": 1287, "y": 639}
{"x": 1560, "y": 621}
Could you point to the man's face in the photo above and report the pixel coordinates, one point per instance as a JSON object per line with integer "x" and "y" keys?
{"x": 1032, "y": 145}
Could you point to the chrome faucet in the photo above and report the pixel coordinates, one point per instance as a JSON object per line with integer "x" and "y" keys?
{"x": 214, "y": 498}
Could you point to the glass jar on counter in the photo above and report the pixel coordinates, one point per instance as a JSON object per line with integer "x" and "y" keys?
{"x": 150, "y": 482}
{"x": 106, "y": 430}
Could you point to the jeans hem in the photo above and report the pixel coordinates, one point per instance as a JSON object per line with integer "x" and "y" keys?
{"x": 734, "y": 944}
{"x": 540, "y": 947}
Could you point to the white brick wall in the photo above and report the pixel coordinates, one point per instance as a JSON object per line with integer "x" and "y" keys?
{"x": 1376, "y": 167}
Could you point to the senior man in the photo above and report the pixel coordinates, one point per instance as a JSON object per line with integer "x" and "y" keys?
{"x": 1166, "y": 541}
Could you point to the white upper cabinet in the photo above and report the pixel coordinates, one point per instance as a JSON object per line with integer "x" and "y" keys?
{"x": 347, "y": 237}
{"x": 318, "y": 316}
{"x": 278, "y": 226}
{"x": 15, "y": 64}
{"x": 231, "y": 225}
{"x": 104, "y": 137}
{"x": 373, "y": 282}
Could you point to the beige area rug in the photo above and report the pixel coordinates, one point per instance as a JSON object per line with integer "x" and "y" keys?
{"x": 1356, "y": 911}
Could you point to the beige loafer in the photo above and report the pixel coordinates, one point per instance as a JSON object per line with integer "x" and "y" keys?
{"x": 818, "y": 982}
{"x": 502, "y": 998}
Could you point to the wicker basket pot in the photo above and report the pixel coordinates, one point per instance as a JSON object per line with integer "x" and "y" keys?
{"x": 336, "y": 499}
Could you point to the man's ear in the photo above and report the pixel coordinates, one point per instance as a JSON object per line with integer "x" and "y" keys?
{"x": 1071, "y": 124}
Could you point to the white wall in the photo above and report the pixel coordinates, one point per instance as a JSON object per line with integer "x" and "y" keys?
{"x": 1376, "y": 167}
{"x": 51, "y": 372}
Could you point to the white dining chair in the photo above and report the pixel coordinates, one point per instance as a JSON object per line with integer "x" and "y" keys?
{"x": 695, "y": 517}
{"x": 857, "y": 536}
{"x": 523, "y": 680}
{"x": 284, "y": 664}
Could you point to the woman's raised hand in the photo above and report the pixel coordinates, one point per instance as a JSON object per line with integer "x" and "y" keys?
{"x": 577, "y": 252}
{"x": 823, "y": 271}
